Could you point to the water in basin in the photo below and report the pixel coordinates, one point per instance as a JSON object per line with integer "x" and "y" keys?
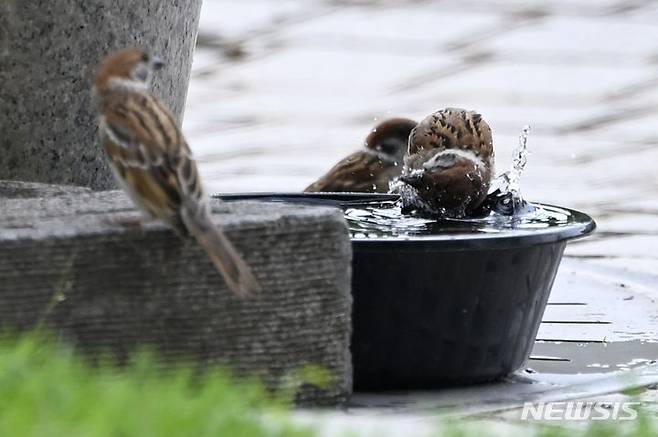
{"x": 386, "y": 220}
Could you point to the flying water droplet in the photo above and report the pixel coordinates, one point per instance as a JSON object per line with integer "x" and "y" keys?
{"x": 505, "y": 194}
{"x": 519, "y": 161}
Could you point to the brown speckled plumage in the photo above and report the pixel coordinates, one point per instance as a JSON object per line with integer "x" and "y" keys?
{"x": 154, "y": 164}
{"x": 449, "y": 163}
{"x": 372, "y": 168}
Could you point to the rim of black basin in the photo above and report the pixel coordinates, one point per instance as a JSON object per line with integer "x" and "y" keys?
{"x": 581, "y": 225}
{"x": 344, "y": 200}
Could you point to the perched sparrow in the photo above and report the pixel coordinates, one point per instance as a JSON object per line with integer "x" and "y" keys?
{"x": 372, "y": 168}
{"x": 449, "y": 164}
{"x": 153, "y": 163}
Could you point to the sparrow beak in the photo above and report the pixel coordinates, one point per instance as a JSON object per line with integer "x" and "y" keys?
{"x": 157, "y": 63}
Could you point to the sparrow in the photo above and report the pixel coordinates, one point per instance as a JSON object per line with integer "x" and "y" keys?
{"x": 371, "y": 169}
{"x": 449, "y": 164}
{"x": 153, "y": 162}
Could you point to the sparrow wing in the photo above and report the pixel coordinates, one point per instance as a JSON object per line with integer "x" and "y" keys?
{"x": 452, "y": 129}
{"x": 155, "y": 163}
{"x": 147, "y": 149}
{"x": 362, "y": 171}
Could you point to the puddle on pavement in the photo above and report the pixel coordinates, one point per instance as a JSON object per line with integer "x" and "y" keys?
{"x": 590, "y": 357}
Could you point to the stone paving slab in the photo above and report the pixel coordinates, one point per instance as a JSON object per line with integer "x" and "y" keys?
{"x": 638, "y": 246}
{"x": 640, "y": 127}
{"x": 590, "y": 8}
{"x": 234, "y": 20}
{"x": 561, "y": 85}
{"x": 330, "y": 424}
{"x": 608, "y": 37}
{"x": 365, "y": 27}
{"x": 497, "y": 398}
{"x": 629, "y": 270}
{"x": 616, "y": 310}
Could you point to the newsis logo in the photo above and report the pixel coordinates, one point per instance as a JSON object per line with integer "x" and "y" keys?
{"x": 579, "y": 411}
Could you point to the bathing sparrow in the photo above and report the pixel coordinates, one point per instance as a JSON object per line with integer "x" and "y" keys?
{"x": 370, "y": 169}
{"x": 448, "y": 167}
{"x": 154, "y": 164}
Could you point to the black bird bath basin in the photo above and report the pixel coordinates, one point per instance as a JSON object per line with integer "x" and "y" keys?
{"x": 447, "y": 302}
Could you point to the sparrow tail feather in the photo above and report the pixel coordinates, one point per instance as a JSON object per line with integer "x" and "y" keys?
{"x": 222, "y": 253}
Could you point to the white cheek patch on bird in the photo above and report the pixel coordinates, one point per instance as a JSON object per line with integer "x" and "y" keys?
{"x": 128, "y": 85}
{"x": 448, "y": 158}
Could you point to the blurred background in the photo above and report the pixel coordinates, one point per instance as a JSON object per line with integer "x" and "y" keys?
{"x": 283, "y": 89}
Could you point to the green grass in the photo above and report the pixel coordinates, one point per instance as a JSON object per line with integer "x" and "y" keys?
{"x": 642, "y": 427}
{"x": 46, "y": 390}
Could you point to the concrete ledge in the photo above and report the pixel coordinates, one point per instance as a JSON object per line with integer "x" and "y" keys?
{"x": 29, "y": 190}
{"x": 65, "y": 265}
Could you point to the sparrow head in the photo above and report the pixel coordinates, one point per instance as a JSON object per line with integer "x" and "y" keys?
{"x": 452, "y": 183}
{"x": 390, "y": 137}
{"x": 130, "y": 68}
{"x": 453, "y": 128}
{"x": 449, "y": 163}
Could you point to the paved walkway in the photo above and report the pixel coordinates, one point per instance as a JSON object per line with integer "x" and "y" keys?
{"x": 281, "y": 90}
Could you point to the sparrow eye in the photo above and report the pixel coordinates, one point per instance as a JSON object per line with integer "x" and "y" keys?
{"x": 145, "y": 57}
{"x": 141, "y": 73}
{"x": 390, "y": 147}
{"x": 157, "y": 63}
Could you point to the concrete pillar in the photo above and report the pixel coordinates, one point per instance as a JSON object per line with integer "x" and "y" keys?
{"x": 49, "y": 51}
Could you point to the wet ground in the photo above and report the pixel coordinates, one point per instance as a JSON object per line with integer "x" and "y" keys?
{"x": 283, "y": 89}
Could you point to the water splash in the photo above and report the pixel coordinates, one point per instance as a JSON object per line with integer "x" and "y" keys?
{"x": 505, "y": 194}
{"x": 519, "y": 161}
